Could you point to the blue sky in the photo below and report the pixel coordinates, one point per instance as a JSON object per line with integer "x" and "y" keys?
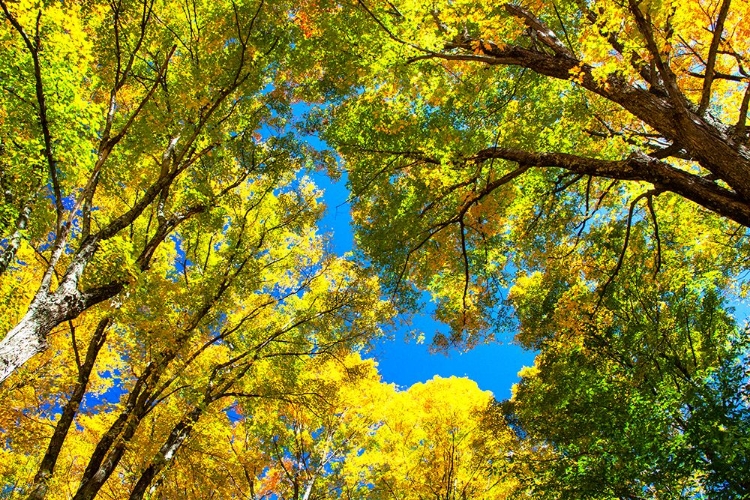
{"x": 493, "y": 366}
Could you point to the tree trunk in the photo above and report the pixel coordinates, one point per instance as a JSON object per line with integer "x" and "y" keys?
{"x": 166, "y": 454}
{"x": 114, "y": 442}
{"x": 49, "y": 309}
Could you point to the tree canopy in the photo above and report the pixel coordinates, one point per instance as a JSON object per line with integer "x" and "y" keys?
{"x": 573, "y": 172}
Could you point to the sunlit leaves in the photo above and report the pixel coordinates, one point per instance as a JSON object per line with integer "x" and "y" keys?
{"x": 552, "y": 168}
{"x": 455, "y": 80}
{"x": 168, "y": 189}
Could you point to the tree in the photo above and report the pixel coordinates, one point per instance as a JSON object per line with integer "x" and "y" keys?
{"x": 164, "y": 288}
{"x": 310, "y": 435}
{"x": 122, "y": 123}
{"x": 485, "y": 136}
{"x": 434, "y": 440}
{"x": 266, "y": 296}
{"x": 650, "y": 402}
{"x": 160, "y": 260}
{"x": 345, "y": 434}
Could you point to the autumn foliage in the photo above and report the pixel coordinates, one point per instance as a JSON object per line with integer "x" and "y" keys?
{"x": 575, "y": 173}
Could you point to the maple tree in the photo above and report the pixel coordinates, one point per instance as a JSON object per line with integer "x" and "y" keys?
{"x": 433, "y": 442}
{"x": 492, "y": 138}
{"x": 122, "y": 124}
{"x": 345, "y": 434}
{"x": 651, "y": 401}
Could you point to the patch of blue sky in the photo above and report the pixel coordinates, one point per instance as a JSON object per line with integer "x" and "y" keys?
{"x": 45, "y": 410}
{"x": 51, "y": 236}
{"x": 105, "y": 401}
{"x": 232, "y": 414}
{"x": 401, "y": 360}
{"x": 181, "y": 262}
{"x": 217, "y": 325}
{"x": 68, "y": 202}
{"x": 8, "y": 490}
{"x": 404, "y": 361}
{"x": 336, "y": 222}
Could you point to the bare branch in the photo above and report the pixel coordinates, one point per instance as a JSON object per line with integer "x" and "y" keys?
{"x": 650, "y": 200}
{"x": 621, "y": 258}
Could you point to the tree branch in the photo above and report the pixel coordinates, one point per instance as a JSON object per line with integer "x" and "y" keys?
{"x": 621, "y": 258}
{"x": 637, "y": 167}
{"x": 47, "y": 466}
{"x": 546, "y": 35}
{"x": 33, "y": 49}
{"x": 711, "y": 63}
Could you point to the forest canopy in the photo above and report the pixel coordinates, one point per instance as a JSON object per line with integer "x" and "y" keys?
{"x": 175, "y": 324}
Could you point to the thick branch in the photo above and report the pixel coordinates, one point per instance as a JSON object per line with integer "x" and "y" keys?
{"x": 704, "y": 138}
{"x": 740, "y": 127}
{"x": 180, "y": 432}
{"x": 638, "y": 167}
{"x": 546, "y": 35}
{"x": 112, "y": 445}
{"x": 47, "y": 467}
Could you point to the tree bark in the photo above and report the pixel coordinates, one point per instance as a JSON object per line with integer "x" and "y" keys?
{"x": 709, "y": 142}
{"x": 638, "y": 167}
{"x": 113, "y": 444}
{"x": 47, "y": 310}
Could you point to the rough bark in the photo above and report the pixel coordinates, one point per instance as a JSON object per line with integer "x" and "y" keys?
{"x": 703, "y": 137}
{"x": 47, "y": 310}
{"x": 8, "y": 254}
{"x": 113, "y": 444}
{"x": 638, "y": 167}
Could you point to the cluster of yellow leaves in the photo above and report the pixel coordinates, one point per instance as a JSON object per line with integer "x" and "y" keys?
{"x": 431, "y": 441}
